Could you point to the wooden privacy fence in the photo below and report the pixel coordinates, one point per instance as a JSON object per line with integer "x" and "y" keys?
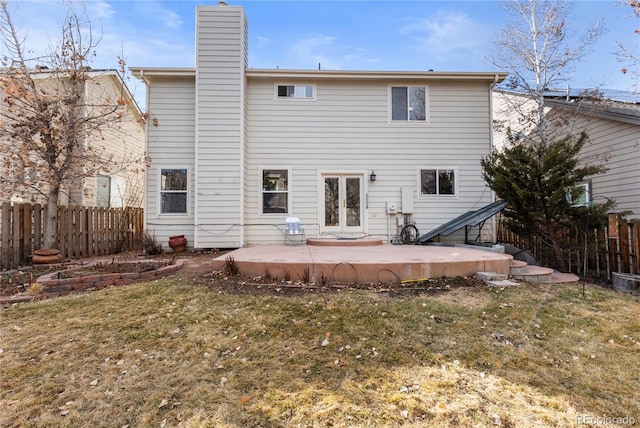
{"x": 82, "y": 231}
{"x": 614, "y": 247}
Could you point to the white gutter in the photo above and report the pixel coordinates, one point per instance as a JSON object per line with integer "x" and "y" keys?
{"x": 333, "y": 74}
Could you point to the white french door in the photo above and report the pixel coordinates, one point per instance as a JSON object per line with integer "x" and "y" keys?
{"x": 343, "y": 203}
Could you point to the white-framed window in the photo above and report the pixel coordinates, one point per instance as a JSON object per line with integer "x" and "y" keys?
{"x": 118, "y": 192}
{"x": 275, "y": 190}
{"x": 110, "y": 191}
{"x": 585, "y": 197}
{"x": 296, "y": 91}
{"x": 408, "y": 103}
{"x": 438, "y": 181}
{"x": 173, "y": 190}
{"x": 103, "y": 191}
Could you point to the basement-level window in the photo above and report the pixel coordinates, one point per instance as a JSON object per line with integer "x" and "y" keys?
{"x": 275, "y": 191}
{"x": 295, "y": 91}
{"x": 173, "y": 191}
{"x": 437, "y": 182}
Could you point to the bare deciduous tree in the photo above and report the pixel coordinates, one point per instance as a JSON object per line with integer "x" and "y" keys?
{"x": 541, "y": 169}
{"x": 54, "y": 116}
{"x": 631, "y": 57}
{"x": 539, "y": 49}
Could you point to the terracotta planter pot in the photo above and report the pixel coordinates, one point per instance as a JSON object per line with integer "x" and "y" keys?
{"x": 46, "y": 256}
{"x": 178, "y": 243}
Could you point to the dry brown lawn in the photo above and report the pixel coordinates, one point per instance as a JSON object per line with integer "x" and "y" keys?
{"x": 191, "y": 352}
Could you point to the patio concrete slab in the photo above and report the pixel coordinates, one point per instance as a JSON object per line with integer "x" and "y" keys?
{"x": 364, "y": 264}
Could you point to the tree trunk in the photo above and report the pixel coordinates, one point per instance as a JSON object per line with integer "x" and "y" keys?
{"x": 561, "y": 260}
{"x": 51, "y": 219}
{"x": 552, "y": 236}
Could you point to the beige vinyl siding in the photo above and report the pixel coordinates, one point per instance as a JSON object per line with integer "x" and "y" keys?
{"x": 347, "y": 129}
{"x": 171, "y": 136}
{"x": 617, "y": 145}
{"x": 122, "y": 137}
{"x": 220, "y": 64}
{"x": 613, "y": 143}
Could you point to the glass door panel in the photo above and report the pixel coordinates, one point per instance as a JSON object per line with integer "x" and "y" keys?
{"x": 343, "y": 201}
{"x": 353, "y": 196}
{"x": 331, "y": 201}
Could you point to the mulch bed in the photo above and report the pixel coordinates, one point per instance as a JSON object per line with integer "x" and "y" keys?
{"x": 43, "y": 281}
{"x": 199, "y": 270}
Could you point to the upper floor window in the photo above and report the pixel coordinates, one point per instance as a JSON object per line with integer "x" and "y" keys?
{"x": 173, "y": 191}
{"x": 295, "y": 91}
{"x": 408, "y": 103}
{"x": 437, "y": 182}
{"x": 275, "y": 191}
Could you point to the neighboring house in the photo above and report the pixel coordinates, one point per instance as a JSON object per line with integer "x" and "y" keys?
{"x": 613, "y": 128}
{"x": 235, "y": 151}
{"x": 121, "y": 184}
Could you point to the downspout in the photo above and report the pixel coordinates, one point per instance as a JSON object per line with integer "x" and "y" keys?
{"x": 493, "y": 196}
{"x": 145, "y": 208}
{"x": 491, "y": 86}
{"x": 85, "y": 147}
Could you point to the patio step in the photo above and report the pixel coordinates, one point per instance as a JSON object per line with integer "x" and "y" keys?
{"x": 491, "y": 276}
{"x": 503, "y": 283}
{"x": 533, "y": 274}
{"x": 543, "y": 275}
{"x": 517, "y": 267}
{"x": 521, "y": 271}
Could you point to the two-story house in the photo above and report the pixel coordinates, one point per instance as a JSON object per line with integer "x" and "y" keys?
{"x": 235, "y": 150}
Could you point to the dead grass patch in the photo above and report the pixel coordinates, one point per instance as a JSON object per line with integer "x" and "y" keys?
{"x": 170, "y": 353}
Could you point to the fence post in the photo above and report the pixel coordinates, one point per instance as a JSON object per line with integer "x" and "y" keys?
{"x": 17, "y": 222}
{"x": 5, "y": 233}
{"x": 634, "y": 231}
{"x": 27, "y": 232}
{"x": 37, "y": 226}
{"x": 612, "y": 238}
{"x": 625, "y": 259}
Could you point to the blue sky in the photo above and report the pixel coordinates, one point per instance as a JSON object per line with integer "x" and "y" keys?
{"x": 346, "y": 35}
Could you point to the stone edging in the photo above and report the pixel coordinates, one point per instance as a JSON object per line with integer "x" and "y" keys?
{"x": 61, "y": 287}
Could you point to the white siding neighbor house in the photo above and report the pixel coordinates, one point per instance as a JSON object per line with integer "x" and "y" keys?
{"x": 120, "y": 182}
{"x": 613, "y": 128}
{"x": 235, "y": 151}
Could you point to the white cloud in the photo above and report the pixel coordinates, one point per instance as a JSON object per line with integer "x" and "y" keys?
{"x": 172, "y": 19}
{"x": 315, "y": 49}
{"x": 307, "y": 47}
{"x": 99, "y": 9}
{"x": 326, "y": 51}
{"x": 446, "y": 35}
{"x": 262, "y": 42}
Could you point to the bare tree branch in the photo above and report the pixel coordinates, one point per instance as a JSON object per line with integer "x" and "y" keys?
{"x": 538, "y": 49}
{"x": 55, "y": 118}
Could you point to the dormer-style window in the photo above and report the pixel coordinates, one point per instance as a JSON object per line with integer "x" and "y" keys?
{"x": 296, "y": 91}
